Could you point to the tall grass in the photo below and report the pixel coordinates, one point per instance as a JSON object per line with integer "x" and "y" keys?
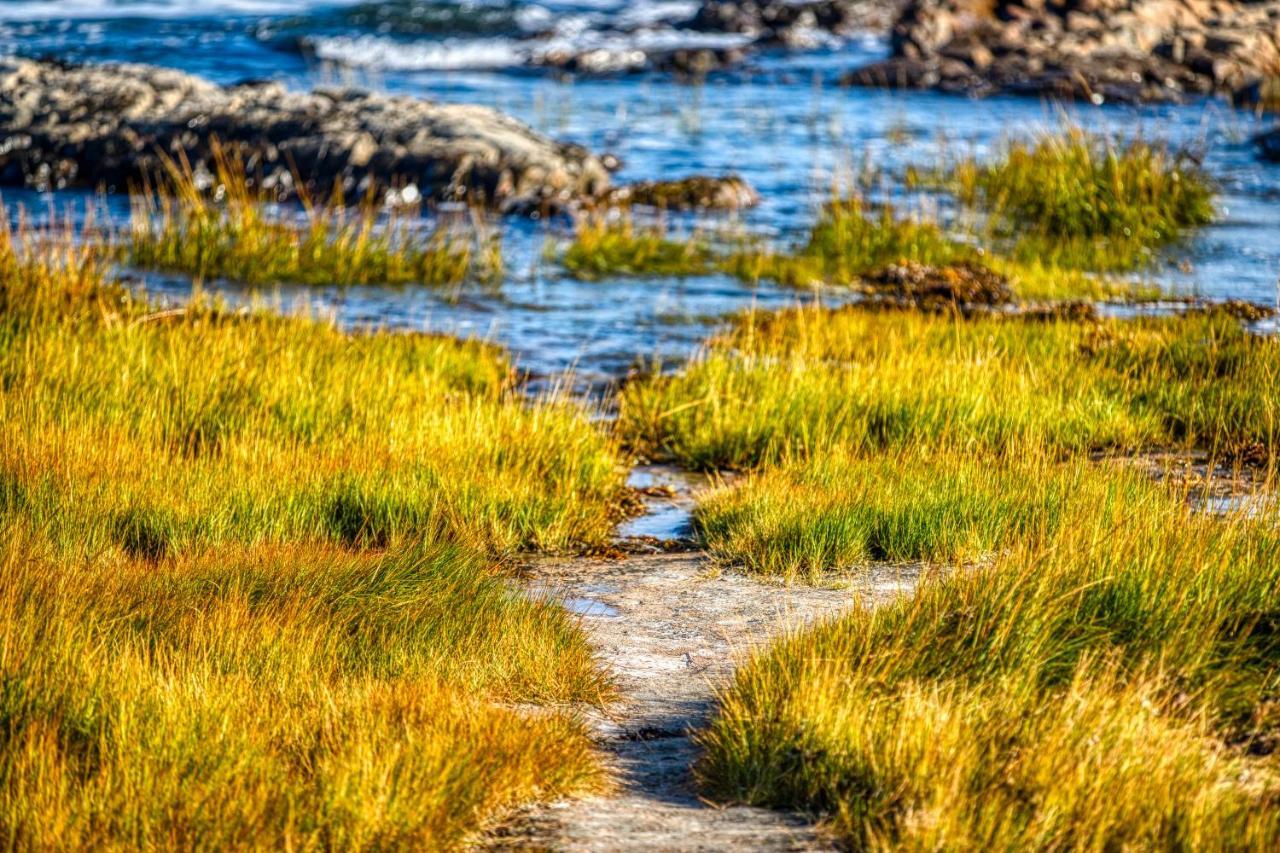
{"x": 181, "y": 429}
{"x": 606, "y": 245}
{"x": 232, "y": 234}
{"x": 1106, "y": 684}
{"x": 246, "y": 589}
{"x": 1077, "y": 200}
{"x": 801, "y": 382}
{"x": 294, "y": 696}
{"x": 840, "y": 511}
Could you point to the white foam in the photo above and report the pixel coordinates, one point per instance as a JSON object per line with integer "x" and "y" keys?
{"x": 385, "y": 54}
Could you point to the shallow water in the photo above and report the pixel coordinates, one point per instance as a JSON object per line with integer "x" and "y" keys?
{"x": 780, "y": 122}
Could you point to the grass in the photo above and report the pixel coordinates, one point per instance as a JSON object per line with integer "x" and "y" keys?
{"x": 840, "y": 511}
{"x": 1105, "y": 683}
{"x": 605, "y": 246}
{"x": 804, "y": 381}
{"x": 1079, "y": 201}
{"x": 233, "y": 234}
{"x": 249, "y": 585}
{"x": 286, "y": 696}
{"x": 850, "y": 240}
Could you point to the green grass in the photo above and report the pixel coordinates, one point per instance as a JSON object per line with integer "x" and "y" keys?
{"x": 232, "y": 234}
{"x": 1079, "y": 201}
{"x": 272, "y": 697}
{"x": 849, "y": 240}
{"x": 603, "y": 246}
{"x": 802, "y": 382}
{"x": 1106, "y": 683}
{"x": 249, "y": 574}
{"x": 839, "y": 512}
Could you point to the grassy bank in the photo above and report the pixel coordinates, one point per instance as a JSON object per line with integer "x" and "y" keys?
{"x": 802, "y": 382}
{"x": 247, "y": 575}
{"x": 235, "y": 233}
{"x": 1107, "y": 682}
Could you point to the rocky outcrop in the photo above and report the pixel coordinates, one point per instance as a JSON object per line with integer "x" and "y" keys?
{"x": 70, "y": 125}
{"x": 1126, "y": 50}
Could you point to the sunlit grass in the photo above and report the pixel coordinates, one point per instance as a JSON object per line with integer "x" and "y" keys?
{"x": 249, "y": 574}
{"x": 839, "y": 511}
{"x": 292, "y": 696}
{"x": 804, "y": 381}
{"x": 604, "y": 246}
{"x": 233, "y": 233}
{"x": 1107, "y": 682}
{"x": 1079, "y": 201}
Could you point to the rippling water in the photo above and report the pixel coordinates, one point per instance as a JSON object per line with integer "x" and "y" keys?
{"x": 779, "y": 121}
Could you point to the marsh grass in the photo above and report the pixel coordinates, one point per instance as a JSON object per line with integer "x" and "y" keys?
{"x": 156, "y": 432}
{"x": 807, "y": 519}
{"x": 606, "y": 245}
{"x": 804, "y": 381}
{"x": 234, "y": 233}
{"x": 249, "y": 586}
{"x": 1080, "y": 201}
{"x": 1105, "y": 683}
{"x": 281, "y": 696}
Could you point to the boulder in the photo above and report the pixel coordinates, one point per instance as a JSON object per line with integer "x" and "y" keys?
{"x": 1099, "y": 50}
{"x": 698, "y": 192}
{"x": 107, "y": 126}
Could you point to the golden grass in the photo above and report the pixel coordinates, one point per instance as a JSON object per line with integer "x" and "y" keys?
{"x": 804, "y": 381}
{"x": 246, "y": 597}
{"x": 1105, "y": 683}
{"x": 232, "y": 233}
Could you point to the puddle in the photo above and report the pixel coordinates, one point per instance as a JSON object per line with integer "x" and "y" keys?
{"x": 1248, "y": 505}
{"x": 583, "y": 604}
{"x": 668, "y": 503}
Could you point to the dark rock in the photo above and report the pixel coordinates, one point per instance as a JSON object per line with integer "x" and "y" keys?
{"x": 784, "y": 22}
{"x": 110, "y": 125}
{"x": 694, "y": 193}
{"x": 1268, "y": 144}
{"x": 921, "y": 285}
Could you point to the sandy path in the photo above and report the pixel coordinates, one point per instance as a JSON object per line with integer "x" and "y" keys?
{"x": 670, "y": 628}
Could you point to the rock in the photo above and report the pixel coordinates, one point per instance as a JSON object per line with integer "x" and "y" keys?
{"x": 698, "y": 192}
{"x": 1268, "y": 144}
{"x": 1098, "y": 50}
{"x": 108, "y": 125}
{"x": 921, "y": 285}
{"x": 786, "y": 22}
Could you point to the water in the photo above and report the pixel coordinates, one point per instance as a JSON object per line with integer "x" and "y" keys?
{"x": 779, "y": 121}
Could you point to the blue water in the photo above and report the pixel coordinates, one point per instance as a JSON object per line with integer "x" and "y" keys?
{"x": 780, "y": 122}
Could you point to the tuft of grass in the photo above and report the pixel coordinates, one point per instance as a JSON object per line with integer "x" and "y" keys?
{"x": 1106, "y": 683}
{"x": 849, "y": 240}
{"x": 206, "y": 426}
{"x": 839, "y": 511}
{"x": 1079, "y": 201}
{"x": 232, "y": 233}
{"x": 295, "y": 695}
{"x": 605, "y": 245}
{"x": 804, "y": 381}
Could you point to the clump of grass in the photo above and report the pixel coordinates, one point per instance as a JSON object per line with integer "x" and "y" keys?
{"x": 606, "y": 245}
{"x": 850, "y": 240}
{"x": 278, "y": 696}
{"x": 1080, "y": 201}
{"x": 801, "y": 382}
{"x": 212, "y": 426}
{"x": 1108, "y": 684}
{"x": 232, "y": 234}
{"x": 839, "y": 511}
